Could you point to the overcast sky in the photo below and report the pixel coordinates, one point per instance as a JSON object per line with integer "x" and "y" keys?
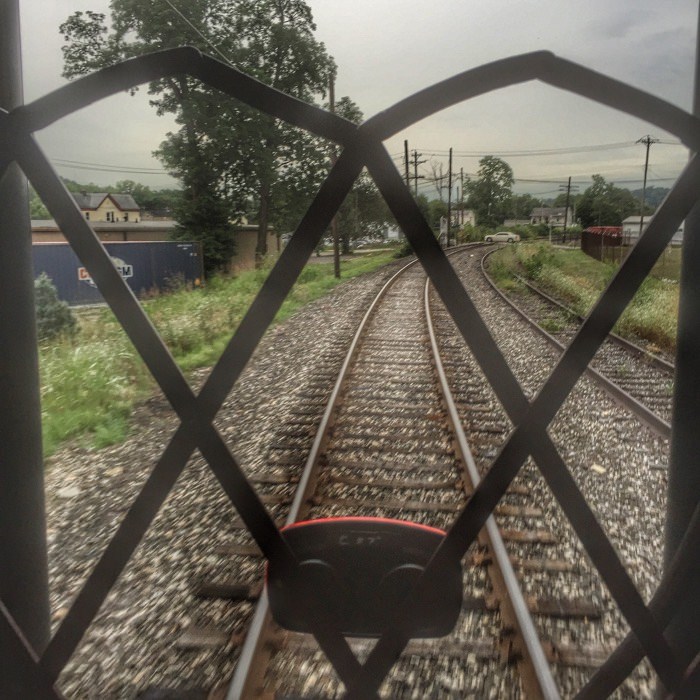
{"x": 389, "y": 49}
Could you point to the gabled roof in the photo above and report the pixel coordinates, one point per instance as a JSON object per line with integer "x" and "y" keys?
{"x": 93, "y": 200}
{"x": 125, "y": 202}
{"x": 548, "y": 211}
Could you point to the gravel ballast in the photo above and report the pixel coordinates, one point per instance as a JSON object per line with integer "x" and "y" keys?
{"x": 131, "y": 645}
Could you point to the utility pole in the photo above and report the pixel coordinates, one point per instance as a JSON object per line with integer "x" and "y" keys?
{"x": 405, "y": 160}
{"x": 416, "y": 163}
{"x": 23, "y": 559}
{"x": 449, "y": 198}
{"x": 334, "y": 158}
{"x": 568, "y": 187}
{"x": 647, "y": 141}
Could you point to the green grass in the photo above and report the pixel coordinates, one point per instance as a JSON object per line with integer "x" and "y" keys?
{"x": 578, "y": 280}
{"x": 668, "y": 266}
{"x": 90, "y": 383}
{"x": 88, "y": 389}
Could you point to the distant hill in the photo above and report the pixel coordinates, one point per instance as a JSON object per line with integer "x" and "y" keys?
{"x": 653, "y": 196}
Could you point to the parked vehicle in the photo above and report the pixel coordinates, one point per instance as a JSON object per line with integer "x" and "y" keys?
{"x": 502, "y": 237}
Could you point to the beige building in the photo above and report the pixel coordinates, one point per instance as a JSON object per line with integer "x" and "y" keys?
{"x": 117, "y": 217}
{"x": 47, "y": 231}
{"x": 108, "y": 207}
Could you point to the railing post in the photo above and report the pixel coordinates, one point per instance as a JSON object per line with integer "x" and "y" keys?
{"x": 684, "y": 468}
{"x": 23, "y": 560}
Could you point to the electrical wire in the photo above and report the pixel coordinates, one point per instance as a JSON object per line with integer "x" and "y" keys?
{"x": 84, "y": 165}
{"x": 591, "y": 148}
{"x": 198, "y": 32}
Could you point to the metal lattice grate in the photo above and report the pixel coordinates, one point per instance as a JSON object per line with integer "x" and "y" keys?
{"x": 363, "y": 147}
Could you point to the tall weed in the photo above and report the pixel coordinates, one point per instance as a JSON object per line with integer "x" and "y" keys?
{"x": 91, "y": 381}
{"x": 579, "y": 280}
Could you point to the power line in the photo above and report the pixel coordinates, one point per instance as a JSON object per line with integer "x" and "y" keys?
{"x": 104, "y": 166}
{"x": 581, "y": 179}
{"x": 111, "y": 170}
{"x": 198, "y": 32}
{"x": 547, "y": 151}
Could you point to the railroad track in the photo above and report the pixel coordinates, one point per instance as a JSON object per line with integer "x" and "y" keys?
{"x": 389, "y": 445}
{"x": 638, "y": 379}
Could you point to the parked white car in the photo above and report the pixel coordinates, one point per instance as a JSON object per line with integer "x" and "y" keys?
{"x": 502, "y": 237}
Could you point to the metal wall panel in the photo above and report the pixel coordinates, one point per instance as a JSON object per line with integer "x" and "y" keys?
{"x": 145, "y": 266}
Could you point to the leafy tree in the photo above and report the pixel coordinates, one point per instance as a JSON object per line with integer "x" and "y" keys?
{"x": 73, "y": 186}
{"x": 560, "y": 200}
{"x": 205, "y": 217}
{"x": 364, "y": 213}
{"x": 37, "y": 210}
{"x": 437, "y": 209}
{"x": 226, "y": 154}
{"x": 603, "y": 204}
{"x": 653, "y": 196}
{"x": 491, "y": 192}
{"x": 424, "y": 205}
{"x": 53, "y": 316}
{"x": 522, "y": 206}
{"x": 432, "y": 210}
{"x": 166, "y": 200}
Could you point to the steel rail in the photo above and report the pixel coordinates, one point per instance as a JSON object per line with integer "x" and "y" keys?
{"x": 247, "y": 674}
{"x": 656, "y": 360}
{"x": 534, "y": 669}
{"x": 653, "y": 421}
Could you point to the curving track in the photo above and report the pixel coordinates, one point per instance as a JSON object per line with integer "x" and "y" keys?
{"x": 388, "y": 449}
{"x": 638, "y": 379}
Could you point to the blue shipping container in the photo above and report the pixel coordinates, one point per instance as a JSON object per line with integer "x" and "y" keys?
{"x": 145, "y": 266}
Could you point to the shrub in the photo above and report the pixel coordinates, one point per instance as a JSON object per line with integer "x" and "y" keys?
{"x": 535, "y": 263}
{"x": 53, "y": 316}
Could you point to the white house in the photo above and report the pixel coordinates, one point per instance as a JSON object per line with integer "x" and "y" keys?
{"x": 630, "y": 230}
{"x": 554, "y": 216}
{"x": 463, "y": 217}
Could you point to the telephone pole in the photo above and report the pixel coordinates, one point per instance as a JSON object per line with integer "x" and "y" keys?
{"x": 334, "y": 158}
{"x": 406, "y": 162}
{"x": 568, "y": 187}
{"x": 461, "y": 197}
{"x": 647, "y": 141}
{"x": 449, "y": 198}
{"x": 416, "y": 163}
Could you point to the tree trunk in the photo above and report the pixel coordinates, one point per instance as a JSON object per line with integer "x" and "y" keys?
{"x": 263, "y": 219}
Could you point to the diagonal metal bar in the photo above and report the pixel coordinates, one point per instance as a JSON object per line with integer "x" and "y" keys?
{"x": 27, "y": 679}
{"x": 150, "y": 347}
{"x": 664, "y": 604}
{"x": 542, "y": 65}
{"x": 619, "y": 292}
{"x": 193, "y": 431}
{"x": 602, "y": 547}
{"x": 555, "y": 470}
